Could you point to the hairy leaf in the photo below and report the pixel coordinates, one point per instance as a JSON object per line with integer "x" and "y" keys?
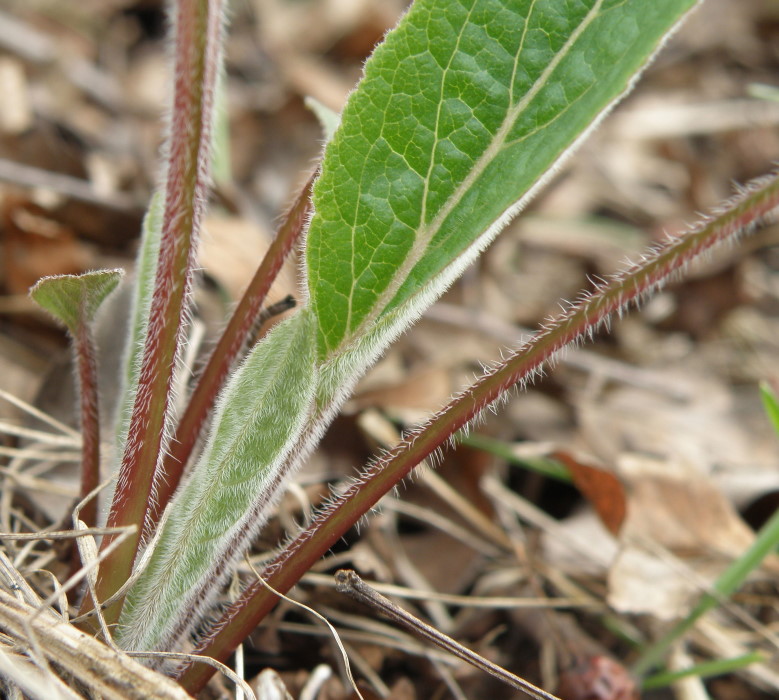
{"x": 75, "y": 299}
{"x": 462, "y": 113}
{"x": 257, "y": 424}
{"x": 145, "y": 271}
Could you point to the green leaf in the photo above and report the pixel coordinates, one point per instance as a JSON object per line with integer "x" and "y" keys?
{"x": 328, "y": 119}
{"x": 461, "y": 115}
{"x": 258, "y": 422}
{"x": 145, "y": 272}
{"x": 770, "y": 404}
{"x": 75, "y": 299}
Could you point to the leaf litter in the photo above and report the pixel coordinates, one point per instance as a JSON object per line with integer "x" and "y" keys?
{"x": 667, "y": 404}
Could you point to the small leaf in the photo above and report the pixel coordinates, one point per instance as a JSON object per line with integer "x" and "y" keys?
{"x": 75, "y": 299}
{"x": 328, "y": 118}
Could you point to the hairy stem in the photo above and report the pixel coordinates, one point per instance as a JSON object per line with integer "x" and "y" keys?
{"x": 86, "y": 360}
{"x": 198, "y": 28}
{"x": 233, "y": 340}
{"x": 740, "y": 214}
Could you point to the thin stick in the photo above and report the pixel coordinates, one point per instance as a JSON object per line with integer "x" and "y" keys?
{"x": 347, "y": 581}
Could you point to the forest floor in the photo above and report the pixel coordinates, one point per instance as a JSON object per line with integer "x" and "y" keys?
{"x": 511, "y": 562}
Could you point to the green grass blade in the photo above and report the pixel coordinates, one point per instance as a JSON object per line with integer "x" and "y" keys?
{"x": 545, "y": 466}
{"x": 770, "y": 404}
{"x": 707, "y": 669}
{"x": 766, "y": 542}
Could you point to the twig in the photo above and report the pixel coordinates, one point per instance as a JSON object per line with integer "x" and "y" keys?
{"x": 349, "y": 582}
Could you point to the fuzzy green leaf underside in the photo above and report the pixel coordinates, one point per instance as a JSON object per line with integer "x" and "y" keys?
{"x": 257, "y": 423}
{"x": 460, "y": 114}
{"x": 145, "y": 272}
{"x": 75, "y": 299}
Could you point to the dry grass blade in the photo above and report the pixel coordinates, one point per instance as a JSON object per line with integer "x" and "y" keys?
{"x": 41, "y": 416}
{"x": 224, "y": 670}
{"x": 473, "y": 601}
{"x": 100, "y": 669}
{"x": 32, "y": 680}
{"x": 323, "y": 619}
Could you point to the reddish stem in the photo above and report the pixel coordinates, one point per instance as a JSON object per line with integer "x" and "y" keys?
{"x": 198, "y": 26}
{"x": 740, "y": 214}
{"x": 231, "y": 343}
{"x": 86, "y": 360}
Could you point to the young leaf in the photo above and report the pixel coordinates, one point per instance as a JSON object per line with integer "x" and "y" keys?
{"x": 74, "y": 299}
{"x": 328, "y": 119}
{"x": 143, "y": 289}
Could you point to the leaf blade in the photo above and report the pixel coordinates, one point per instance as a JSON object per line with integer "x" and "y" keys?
{"x": 74, "y": 299}
{"x": 458, "y": 120}
{"x": 261, "y": 414}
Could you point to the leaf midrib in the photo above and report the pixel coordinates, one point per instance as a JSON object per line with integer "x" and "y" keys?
{"x": 426, "y": 233}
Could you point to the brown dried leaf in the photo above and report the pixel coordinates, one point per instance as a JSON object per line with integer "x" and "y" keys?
{"x": 36, "y": 245}
{"x": 680, "y": 534}
{"x": 599, "y": 487}
{"x": 232, "y": 250}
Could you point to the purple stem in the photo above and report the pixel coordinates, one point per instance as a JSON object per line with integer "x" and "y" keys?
{"x": 198, "y": 30}
{"x": 752, "y": 205}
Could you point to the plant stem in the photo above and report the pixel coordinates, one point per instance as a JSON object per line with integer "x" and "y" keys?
{"x": 233, "y": 340}
{"x": 86, "y": 360}
{"x": 767, "y": 541}
{"x": 198, "y": 28}
{"x": 742, "y": 213}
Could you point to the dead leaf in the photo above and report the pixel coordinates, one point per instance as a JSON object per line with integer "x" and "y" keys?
{"x": 680, "y": 534}
{"x": 425, "y": 390}
{"x": 37, "y": 245}
{"x": 232, "y": 249}
{"x": 681, "y": 509}
{"x": 600, "y": 487}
